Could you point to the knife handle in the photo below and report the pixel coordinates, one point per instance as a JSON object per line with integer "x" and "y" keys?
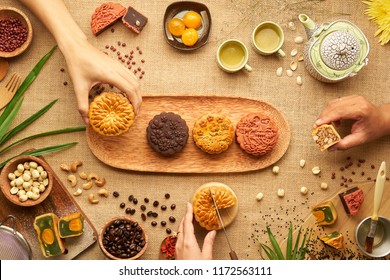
{"x": 233, "y": 255}
{"x": 379, "y": 187}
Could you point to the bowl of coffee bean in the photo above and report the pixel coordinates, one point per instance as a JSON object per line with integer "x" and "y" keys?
{"x": 15, "y": 32}
{"x": 123, "y": 239}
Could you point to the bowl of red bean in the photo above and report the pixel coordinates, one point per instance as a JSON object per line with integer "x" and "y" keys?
{"x": 123, "y": 239}
{"x": 15, "y": 32}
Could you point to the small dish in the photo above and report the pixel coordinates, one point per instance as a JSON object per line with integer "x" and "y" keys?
{"x": 5, "y": 182}
{"x": 131, "y": 228}
{"x": 381, "y": 247}
{"x": 11, "y": 12}
{"x": 178, "y": 9}
{"x": 167, "y": 248}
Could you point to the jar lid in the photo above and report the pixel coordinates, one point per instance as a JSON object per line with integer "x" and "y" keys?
{"x": 13, "y": 246}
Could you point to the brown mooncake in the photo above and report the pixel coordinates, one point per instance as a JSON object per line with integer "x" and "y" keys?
{"x": 134, "y": 20}
{"x": 167, "y": 133}
{"x": 111, "y": 114}
{"x": 325, "y": 136}
{"x": 352, "y": 200}
{"x": 257, "y": 134}
{"x": 105, "y": 16}
{"x": 213, "y": 133}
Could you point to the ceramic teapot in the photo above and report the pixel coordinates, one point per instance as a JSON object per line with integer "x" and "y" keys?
{"x": 334, "y": 51}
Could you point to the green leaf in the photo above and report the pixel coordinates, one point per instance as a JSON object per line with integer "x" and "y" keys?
{"x": 268, "y": 251}
{"x": 9, "y": 119}
{"x": 26, "y": 83}
{"x": 48, "y": 133}
{"x": 26, "y": 122}
{"x": 275, "y": 244}
{"x": 42, "y": 151}
{"x": 289, "y": 243}
{"x": 294, "y": 254}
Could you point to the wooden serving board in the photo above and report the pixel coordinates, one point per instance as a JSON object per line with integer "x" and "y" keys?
{"x": 59, "y": 202}
{"x": 346, "y": 224}
{"x": 131, "y": 151}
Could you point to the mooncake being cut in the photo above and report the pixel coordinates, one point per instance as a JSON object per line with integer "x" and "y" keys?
{"x": 352, "y": 200}
{"x": 325, "y": 136}
{"x": 213, "y": 133}
{"x": 111, "y": 114}
{"x": 257, "y": 134}
{"x": 204, "y": 210}
{"x": 167, "y": 133}
{"x": 105, "y": 16}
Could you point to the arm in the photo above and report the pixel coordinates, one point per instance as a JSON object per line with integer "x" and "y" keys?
{"x": 87, "y": 65}
{"x": 370, "y": 122}
{"x": 187, "y": 247}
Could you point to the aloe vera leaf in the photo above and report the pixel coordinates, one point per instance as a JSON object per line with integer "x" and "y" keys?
{"x": 9, "y": 119}
{"x": 47, "y": 133}
{"x": 275, "y": 244}
{"x": 26, "y": 83}
{"x": 289, "y": 243}
{"x": 268, "y": 251}
{"x": 26, "y": 122}
{"x": 294, "y": 254}
{"x": 42, "y": 151}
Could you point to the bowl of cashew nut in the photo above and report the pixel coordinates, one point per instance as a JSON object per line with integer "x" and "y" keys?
{"x": 26, "y": 180}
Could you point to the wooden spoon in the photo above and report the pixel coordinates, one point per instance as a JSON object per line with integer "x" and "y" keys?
{"x": 4, "y": 66}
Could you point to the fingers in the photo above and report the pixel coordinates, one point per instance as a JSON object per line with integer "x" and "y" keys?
{"x": 179, "y": 241}
{"x": 207, "y": 249}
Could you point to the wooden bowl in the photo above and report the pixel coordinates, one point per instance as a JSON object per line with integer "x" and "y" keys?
{"x": 5, "y": 183}
{"x": 11, "y": 12}
{"x": 111, "y": 223}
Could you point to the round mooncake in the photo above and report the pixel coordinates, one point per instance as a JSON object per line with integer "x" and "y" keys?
{"x": 257, "y": 134}
{"x": 213, "y": 133}
{"x": 111, "y": 114}
{"x": 167, "y": 133}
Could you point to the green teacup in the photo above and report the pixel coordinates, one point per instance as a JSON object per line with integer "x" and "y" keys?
{"x": 268, "y": 38}
{"x": 232, "y": 56}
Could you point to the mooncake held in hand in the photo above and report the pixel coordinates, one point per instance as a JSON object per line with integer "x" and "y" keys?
{"x": 325, "y": 136}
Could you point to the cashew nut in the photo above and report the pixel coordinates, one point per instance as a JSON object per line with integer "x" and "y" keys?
{"x": 93, "y": 176}
{"x": 64, "y": 167}
{"x": 100, "y": 183}
{"x": 92, "y": 199}
{"x": 75, "y": 165}
{"x": 103, "y": 192}
{"x": 87, "y": 185}
{"x": 78, "y": 192}
{"x": 73, "y": 180}
{"x": 83, "y": 175}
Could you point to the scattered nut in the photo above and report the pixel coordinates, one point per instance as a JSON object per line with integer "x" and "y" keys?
{"x": 302, "y": 163}
{"x": 298, "y": 40}
{"x": 87, "y": 185}
{"x": 78, "y": 192}
{"x": 73, "y": 180}
{"x": 299, "y": 80}
{"x": 103, "y": 192}
{"x": 300, "y": 57}
{"x": 294, "y": 52}
{"x": 291, "y": 26}
{"x": 304, "y": 190}
{"x": 275, "y": 169}
{"x": 92, "y": 199}
{"x": 324, "y": 186}
{"x": 100, "y": 183}
{"x": 259, "y": 196}
{"x": 316, "y": 170}
{"x": 75, "y": 165}
{"x": 281, "y": 192}
{"x": 93, "y": 176}
{"x": 289, "y": 72}
{"x": 65, "y": 167}
{"x": 83, "y": 175}
{"x": 279, "y": 71}
{"x": 137, "y": 23}
{"x": 293, "y": 65}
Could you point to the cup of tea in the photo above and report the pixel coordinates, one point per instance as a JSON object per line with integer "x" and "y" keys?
{"x": 268, "y": 38}
{"x": 232, "y": 56}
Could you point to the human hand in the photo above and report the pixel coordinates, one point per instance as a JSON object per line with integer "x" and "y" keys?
{"x": 187, "y": 247}
{"x": 370, "y": 122}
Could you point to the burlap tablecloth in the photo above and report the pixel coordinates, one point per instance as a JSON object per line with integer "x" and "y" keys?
{"x": 168, "y": 71}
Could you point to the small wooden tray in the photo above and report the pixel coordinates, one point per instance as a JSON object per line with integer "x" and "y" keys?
{"x": 131, "y": 151}
{"x": 59, "y": 202}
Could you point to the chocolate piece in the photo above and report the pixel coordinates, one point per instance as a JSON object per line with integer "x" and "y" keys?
{"x": 257, "y": 134}
{"x": 167, "y": 133}
{"x": 134, "y": 20}
{"x": 352, "y": 200}
{"x": 105, "y": 16}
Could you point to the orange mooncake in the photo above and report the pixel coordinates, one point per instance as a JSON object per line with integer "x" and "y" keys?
{"x": 111, "y": 114}
{"x": 325, "y": 136}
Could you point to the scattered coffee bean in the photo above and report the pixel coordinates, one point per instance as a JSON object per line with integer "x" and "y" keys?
{"x": 173, "y": 206}
{"x": 65, "y": 83}
{"x": 143, "y": 217}
{"x": 112, "y": 30}
{"x": 143, "y": 207}
{"x": 146, "y": 200}
{"x": 135, "y": 201}
{"x": 163, "y": 223}
{"x": 128, "y": 210}
{"x": 155, "y": 214}
{"x": 168, "y": 230}
{"x": 131, "y": 197}
{"x": 62, "y": 70}
{"x": 156, "y": 203}
{"x": 167, "y": 195}
{"x": 163, "y": 207}
{"x": 115, "y": 194}
{"x": 122, "y": 205}
{"x": 149, "y": 214}
{"x": 154, "y": 223}
{"x": 172, "y": 219}
{"x": 132, "y": 211}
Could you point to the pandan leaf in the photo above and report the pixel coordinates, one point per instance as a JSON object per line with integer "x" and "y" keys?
{"x": 268, "y": 251}
{"x": 275, "y": 244}
{"x": 289, "y": 243}
{"x": 9, "y": 119}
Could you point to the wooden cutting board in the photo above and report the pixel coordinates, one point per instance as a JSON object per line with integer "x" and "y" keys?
{"x": 59, "y": 202}
{"x": 131, "y": 151}
{"x": 345, "y": 224}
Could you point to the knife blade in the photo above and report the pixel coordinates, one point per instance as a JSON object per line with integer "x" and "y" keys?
{"x": 232, "y": 253}
{"x": 379, "y": 186}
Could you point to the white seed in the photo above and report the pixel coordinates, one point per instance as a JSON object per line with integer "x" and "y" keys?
{"x": 302, "y": 163}
{"x": 275, "y": 169}
{"x": 279, "y": 71}
{"x": 20, "y": 167}
{"x": 26, "y": 185}
{"x": 43, "y": 174}
{"x": 23, "y": 198}
{"x": 29, "y": 194}
{"x": 11, "y": 176}
{"x": 21, "y": 192}
{"x": 316, "y": 170}
{"x": 259, "y": 196}
{"x": 324, "y": 186}
{"x": 293, "y": 65}
{"x": 35, "y": 190}
{"x": 41, "y": 188}
{"x": 45, "y": 182}
{"x": 35, "y": 174}
{"x": 17, "y": 173}
{"x": 14, "y": 190}
{"x": 300, "y": 57}
{"x": 298, "y": 40}
{"x": 291, "y": 26}
{"x": 35, "y": 196}
{"x": 26, "y": 177}
{"x": 40, "y": 169}
{"x": 33, "y": 164}
{"x": 19, "y": 181}
{"x": 299, "y": 80}
{"x": 13, "y": 183}
{"x": 26, "y": 166}
{"x": 304, "y": 190}
{"x": 281, "y": 192}
{"x": 294, "y": 52}
{"x": 289, "y": 72}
